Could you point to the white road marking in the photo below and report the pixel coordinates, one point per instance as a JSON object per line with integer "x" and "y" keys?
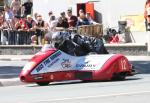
{"x": 100, "y": 96}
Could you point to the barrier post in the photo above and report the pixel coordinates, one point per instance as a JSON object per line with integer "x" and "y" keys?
{"x": 148, "y": 43}
{"x": 1, "y": 37}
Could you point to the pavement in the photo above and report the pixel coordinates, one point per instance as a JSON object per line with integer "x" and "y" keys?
{"x": 27, "y": 57}
{"x": 16, "y": 81}
{"x": 15, "y": 57}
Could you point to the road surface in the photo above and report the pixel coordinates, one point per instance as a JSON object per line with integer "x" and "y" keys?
{"x": 135, "y": 89}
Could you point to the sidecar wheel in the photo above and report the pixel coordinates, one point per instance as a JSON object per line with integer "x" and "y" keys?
{"x": 119, "y": 76}
{"x": 42, "y": 83}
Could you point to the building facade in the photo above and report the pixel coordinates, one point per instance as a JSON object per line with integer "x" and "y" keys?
{"x": 107, "y": 12}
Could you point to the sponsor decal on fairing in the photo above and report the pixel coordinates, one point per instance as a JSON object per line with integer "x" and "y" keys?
{"x": 60, "y": 61}
{"x": 66, "y": 64}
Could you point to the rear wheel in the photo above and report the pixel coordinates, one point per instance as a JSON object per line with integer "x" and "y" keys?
{"x": 42, "y": 83}
{"x": 119, "y": 76}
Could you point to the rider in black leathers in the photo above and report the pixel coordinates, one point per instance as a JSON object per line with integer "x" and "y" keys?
{"x": 78, "y": 45}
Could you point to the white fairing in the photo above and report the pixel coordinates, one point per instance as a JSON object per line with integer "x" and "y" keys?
{"x": 60, "y": 61}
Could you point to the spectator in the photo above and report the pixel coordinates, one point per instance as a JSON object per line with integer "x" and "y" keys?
{"x": 1, "y": 12}
{"x": 82, "y": 20}
{"x": 72, "y": 20}
{"x": 62, "y": 23}
{"x": 41, "y": 23}
{"x": 3, "y": 24}
{"x": 27, "y": 7}
{"x": 21, "y": 24}
{"x": 8, "y": 16}
{"x": 81, "y": 11}
{"x": 22, "y": 27}
{"x": 8, "y": 12}
{"x": 16, "y": 7}
{"x": 91, "y": 21}
{"x": 16, "y": 18}
{"x": 41, "y": 29}
{"x": 35, "y": 17}
{"x": 63, "y": 16}
{"x": 50, "y": 14}
{"x": 147, "y": 15}
{"x": 30, "y": 23}
{"x": 52, "y": 28}
{"x": 52, "y": 23}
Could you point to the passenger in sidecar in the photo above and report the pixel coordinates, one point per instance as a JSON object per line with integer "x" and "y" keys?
{"x": 75, "y": 44}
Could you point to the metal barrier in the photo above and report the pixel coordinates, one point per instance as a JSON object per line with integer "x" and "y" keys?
{"x": 13, "y": 37}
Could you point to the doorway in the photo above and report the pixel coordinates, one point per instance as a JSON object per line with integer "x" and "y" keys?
{"x": 87, "y": 8}
{"x": 79, "y": 7}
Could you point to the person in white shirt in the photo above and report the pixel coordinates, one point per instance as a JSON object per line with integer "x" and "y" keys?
{"x": 52, "y": 23}
{"x": 8, "y": 16}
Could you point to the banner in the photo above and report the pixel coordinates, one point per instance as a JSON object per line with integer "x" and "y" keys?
{"x": 135, "y": 22}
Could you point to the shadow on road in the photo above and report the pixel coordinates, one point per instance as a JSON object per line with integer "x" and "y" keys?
{"x": 7, "y": 72}
{"x": 81, "y": 82}
{"x": 142, "y": 67}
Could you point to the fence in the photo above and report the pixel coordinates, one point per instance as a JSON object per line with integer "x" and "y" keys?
{"x": 13, "y": 37}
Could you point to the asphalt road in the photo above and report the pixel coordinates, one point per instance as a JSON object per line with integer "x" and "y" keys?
{"x": 132, "y": 90}
{"x": 10, "y": 69}
{"x": 135, "y": 89}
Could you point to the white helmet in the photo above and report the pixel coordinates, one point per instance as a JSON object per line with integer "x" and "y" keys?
{"x": 57, "y": 37}
{"x": 60, "y": 37}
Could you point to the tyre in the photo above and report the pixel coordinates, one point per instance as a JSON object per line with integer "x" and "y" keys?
{"x": 119, "y": 76}
{"x": 42, "y": 83}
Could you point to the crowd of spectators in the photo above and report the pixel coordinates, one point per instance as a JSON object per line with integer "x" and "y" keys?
{"x": 19, "y": 17}
{"x": 15, "y": 14}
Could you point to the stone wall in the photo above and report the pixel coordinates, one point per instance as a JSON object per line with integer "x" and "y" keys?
{"x": 126, "y": 49}
{"x": 19, "y": 49}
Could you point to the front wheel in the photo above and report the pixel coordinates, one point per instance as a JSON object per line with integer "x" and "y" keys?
{"x": 42, "y": 83}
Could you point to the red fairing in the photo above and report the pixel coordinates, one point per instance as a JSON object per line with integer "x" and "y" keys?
{"x": 25, "y": 75}
{"x": 42, "y": 55}
{"x": 116, "y": 64}
{"x": 90, "y": 69}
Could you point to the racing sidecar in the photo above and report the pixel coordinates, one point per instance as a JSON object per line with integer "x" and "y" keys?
{"x": 55, "y": 65}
